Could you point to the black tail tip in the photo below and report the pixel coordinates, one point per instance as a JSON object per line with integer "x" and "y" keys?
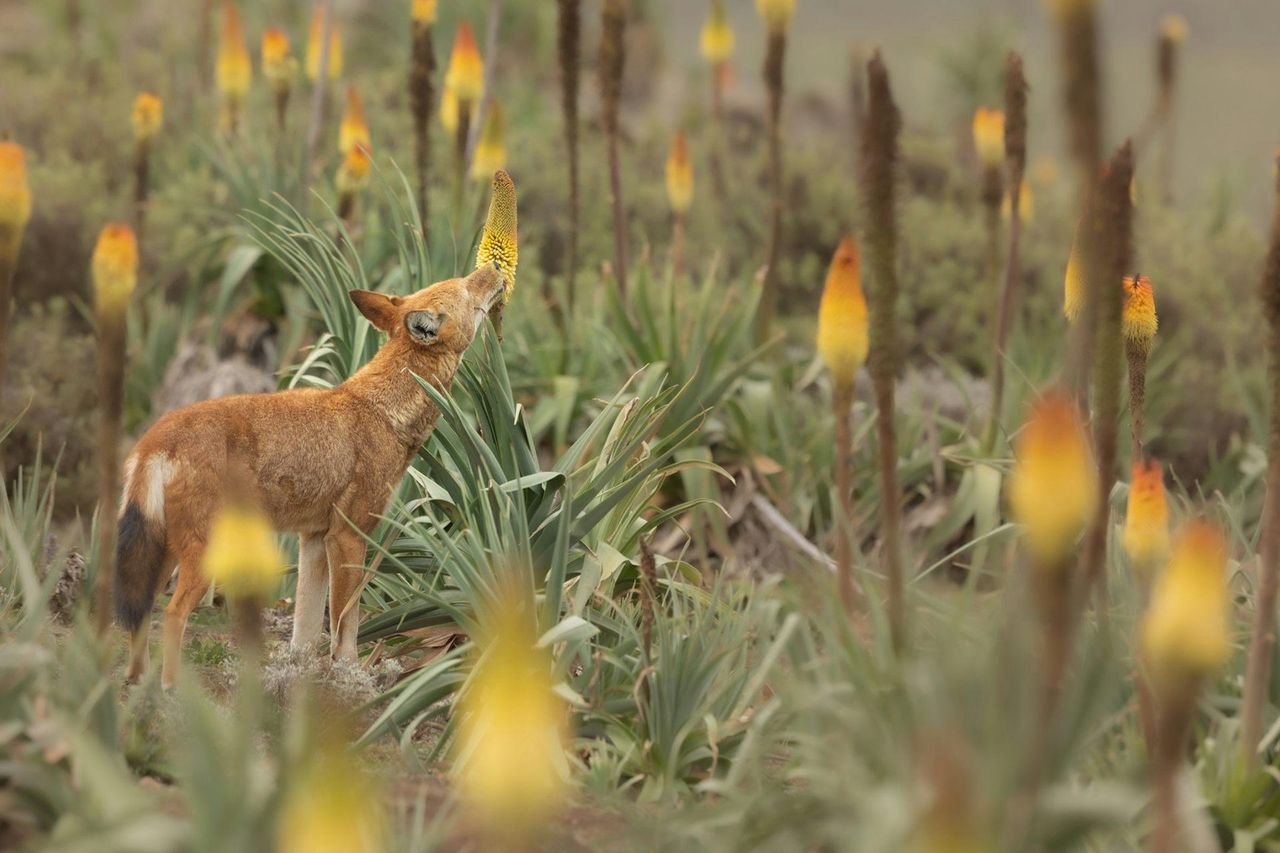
{"x": 139, "y": 561}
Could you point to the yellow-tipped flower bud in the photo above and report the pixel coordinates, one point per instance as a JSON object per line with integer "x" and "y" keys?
{"x": 242, "y": 556}
{"x": 776, "y": 14}
{"x": 1186, "y": 633}
{"x": 115, "y": 268}
{"x": 331, "y": 806}
{"x": 277, "y": 65}
{"x": 1026, "y": 204}
{"x": 15, "y": 195}
{"x": 716, "y": 39}
{"x": 679, "y": 174}
{"x": 1174, "y": 28}
{"x": 353, "y": 174}
{"x": 491, "y": 150}
{"x": 234, "y": 69}
{"x": 147, "y": 116}
{"x": 988, "y": 136}
{"x": 842, "y": 315}
{"x": 1053, "y": 489}
{"x": 449, "y": 110}
{"x": 1073, "y": 282}
{"x": 354, "y": 128}
{"x": 465, "y": 75}
{"x": 313, "y": 47}
{"x": 1139, "y": 320}
{"x": 424, "y": 11}
{"x": 498, "y": 242}
{"x": 511, "y": 733}
{"x": 1146, "y": 524}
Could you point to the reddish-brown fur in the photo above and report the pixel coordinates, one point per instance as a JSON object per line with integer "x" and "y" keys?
{"x": 311, "y": 459}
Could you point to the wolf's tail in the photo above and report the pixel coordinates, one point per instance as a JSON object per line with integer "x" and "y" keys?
{"x": 140, "y": 540}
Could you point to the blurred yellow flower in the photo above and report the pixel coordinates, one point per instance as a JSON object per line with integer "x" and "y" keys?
{"x": 233, "y": 70}
{"x": 424, "y": 11}
{"x": 679, "y": 174}
{"x": 842, "y": 315}
{"x": 988, "y": 136}
{"x": 491, "y": 149}
{"x": 716, "y": 38}
{"x": 465, "y": 75}
{"x": 1073, "y": 283}
{"x": 242, "y": 556}
{"x": 1186, "y": 632}
{"x": 1139, "y": 321}
{"x": 449, "y": 110}
{"x": 354, "y": 128}
{"x": 147, "y": 116}
{"x": 1146, "y": 523}
{"x": 776, "y": 14}
{"x": 1053, "y": 489}
{"x": 498, "y": 242}
{"x": 1026, "y": 204}
{"x": 313, "y": 47}
{"x": 1174, "y": 28}
{"x": 511, "y": 766}
{"x": 277, "y": 65}
{"x": 15, "y": 195}
{"x": 1045, "y": 171}
{"x": 331, "y": 807}
{"x": 115, "y": 268}
{"x": 353, "y": 174}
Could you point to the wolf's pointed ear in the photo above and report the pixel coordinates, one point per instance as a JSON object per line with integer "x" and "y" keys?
{"x": 378, "y": 308}
{"x": 424, "y": 326}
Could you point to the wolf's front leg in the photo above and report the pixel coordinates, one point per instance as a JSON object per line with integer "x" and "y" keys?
{"x": 308, "y": 603}
{"x": 346, "y": 549}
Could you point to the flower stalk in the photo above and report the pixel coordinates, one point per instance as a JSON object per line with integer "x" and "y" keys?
{"x": 422, "y": 68}
{"x": 280, "y": 69}
{"x": 612, "y": 60}
{"x": 716, "y": 42}
{"x": 777, "y": 18}
{"x": 680, "y": 196}
{"x": 15, "y": 212}
{"x": 879, "y": 167}
{"x": 1173, "y": 33}
{"x": 568, "y": 47}
{"x": 234, "y": 70}
{"x": 464, "y": 80}
{"x": 148, "y": 114}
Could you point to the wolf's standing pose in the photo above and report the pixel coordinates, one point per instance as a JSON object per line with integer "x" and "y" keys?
{"x": 310, "y": 459}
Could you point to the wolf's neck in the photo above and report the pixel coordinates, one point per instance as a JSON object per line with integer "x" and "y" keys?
{"x": 386, "y": 385}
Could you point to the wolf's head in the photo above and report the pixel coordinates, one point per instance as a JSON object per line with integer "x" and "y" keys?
{"x": 442, "y": 318}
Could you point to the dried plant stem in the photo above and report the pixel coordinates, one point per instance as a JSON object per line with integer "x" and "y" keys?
{"x": 719, "y": 185}
{"x": 1136, "y": 357}
{"x": 1173, "y": 721}
{"x": 141, "y": 185}
{"x": 879, "y": 158}
{"x": 1167, "y": 75}
{"x": 460, "y": 155}
{"x": 282, "y": 109}
{"x": 568, "y": 43}
{"x": 1257, "y": 681}
{"x": 842, "y": 401}
{"x": 612, "y": 60}
{"x": 9, "y": 244}
{"x": 111, "y": 344}
{"x": 775, "y": 56}
{"x": 421, "y": 96}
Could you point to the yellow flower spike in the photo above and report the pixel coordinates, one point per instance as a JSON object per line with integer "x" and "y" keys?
{"x": 313, "y": 47}
{"x": 449, "y": 110}
{"x": 147, "y": 116}
{"x": 353, "y": 174}
{"x": 1073, "y": 283}
{"x": 491, "y": 149}
{"x": 988, "y": 136}
{"x": 1174, "y": 28}
{"x": 15, "y": 195}
{"x": 242, "y": 556}
{"x": 679, "y": 174}
{"x": 511, "y": 735}
{"x": 465, "y": 75}
{"x": 115, "y": 269}
{"x": 1186, "y": 632}
{"x": 499, "y": 242}
{"x": 1139, "y": 321}
{"x": 423, "y": 11}
{"x": 716, "y": 39}
{"x": 776, "y": 14}
{"x": 1026, "y": 204}
{"x": 1053, "y": 489}
{"x": 842, "y": 315}
{"x": 277, "y": 65}
{"x": 1146, "y": 523}
{"x": 234, "y": 69}
{"x": 354, "y": 128}
{"x": 332, "y": 806}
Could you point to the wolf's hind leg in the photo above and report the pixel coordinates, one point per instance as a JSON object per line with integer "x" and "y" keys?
{"x": 192, "y": 584}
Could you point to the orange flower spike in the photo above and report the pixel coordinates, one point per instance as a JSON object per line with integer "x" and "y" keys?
{"x": 465, "y": 75}
{"x": 313, "y": 48}
{"x": 277, "y": 65}
{"x": 988, "y": 136}
{"x": 234, "y": 68}
{"x": 1146, "y": 524}
{"x": 679, "y": 174}
{"x": 842, "y": 315}
{"x": 15, "y": 195}
{"x": 147, "y": 116}
{"x": 354, "y": 129}
{"x": 716, "y": 39}
{"x": 1139, "y": 320}
{"x": 353, "y": 174}
{"x": 115, "y": 268}
{"x": 1053, "y": 488}
{"x": 491, "y": 149}
{"x": 449, "y": 110}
